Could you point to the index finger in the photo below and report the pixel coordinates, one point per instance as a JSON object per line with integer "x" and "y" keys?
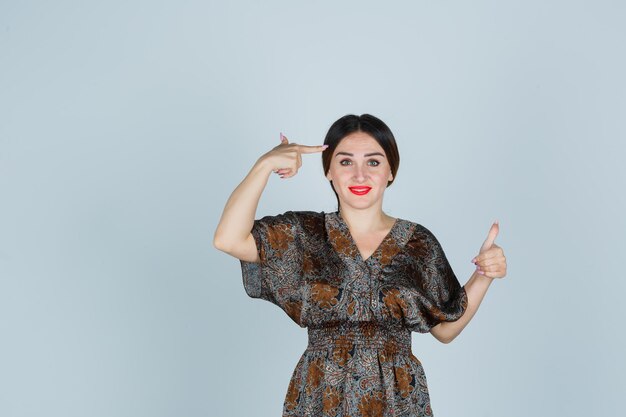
{"x": 311, "y": 149}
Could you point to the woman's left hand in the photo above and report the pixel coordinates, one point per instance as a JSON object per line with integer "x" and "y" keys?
{"x": 491, "y": 261}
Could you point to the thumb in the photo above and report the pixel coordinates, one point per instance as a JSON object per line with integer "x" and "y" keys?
{"x": 491, "y": 237}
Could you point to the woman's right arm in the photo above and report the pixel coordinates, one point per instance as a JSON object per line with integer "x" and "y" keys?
{"x": 233, "y": 233}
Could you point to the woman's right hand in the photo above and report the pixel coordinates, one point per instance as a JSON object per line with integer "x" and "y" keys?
{"x": 285, "y": 159}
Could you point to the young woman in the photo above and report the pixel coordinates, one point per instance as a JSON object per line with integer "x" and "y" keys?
{"x": 358, "y": 279}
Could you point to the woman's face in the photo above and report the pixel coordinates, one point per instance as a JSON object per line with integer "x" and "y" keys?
{"x": 359, "y": 171}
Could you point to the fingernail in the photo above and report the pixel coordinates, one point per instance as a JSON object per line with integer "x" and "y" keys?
{"x": 474, "y": 260}
{"x": 324, "y": 146}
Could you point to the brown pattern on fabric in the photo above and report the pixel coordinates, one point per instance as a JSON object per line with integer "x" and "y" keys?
{"x": 315, "y": 374}
{"x": 324, "y": 294}
{"x": 342, "y": 243}
{"x": 311, "y": 224}
{"x": 359, "y": 314}
{"x": 390, "y": 349}
{"x": 280, "y": 237}
{"x": 372, "y": 404}
{"x": 351, "y": 307}
{"x": 293, "y": 310}
{"x": 311, "y": 264}
{"x": 388, "y": 249}
{"x": 404, "y": 377}
{"x": 394, "y": 302}
{"x": 418, "y": 247}
{"x": 293, "y": 394}
{"x": 341, "y": 350}
{"x": 332, "y": 400}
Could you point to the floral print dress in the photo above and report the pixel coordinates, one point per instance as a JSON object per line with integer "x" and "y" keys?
{"x": 359, "y": 313}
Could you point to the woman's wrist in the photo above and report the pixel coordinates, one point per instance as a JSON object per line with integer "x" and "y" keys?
{"x": 263, "y": 165}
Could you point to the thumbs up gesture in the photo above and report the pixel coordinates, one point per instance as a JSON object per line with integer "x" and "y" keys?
{"x": 491, "y": 261}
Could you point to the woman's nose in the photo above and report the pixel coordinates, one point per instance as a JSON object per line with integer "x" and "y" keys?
{"x": 360, "y": 173}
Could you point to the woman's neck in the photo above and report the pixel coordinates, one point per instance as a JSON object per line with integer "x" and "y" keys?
{"x": 368, "y": 220}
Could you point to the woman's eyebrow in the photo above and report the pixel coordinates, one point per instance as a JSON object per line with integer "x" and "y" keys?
{"x": 367, "y": 154}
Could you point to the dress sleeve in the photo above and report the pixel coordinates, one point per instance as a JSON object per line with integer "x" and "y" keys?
{"x": 277, "y": 277}
{"x": 435, "y": 292}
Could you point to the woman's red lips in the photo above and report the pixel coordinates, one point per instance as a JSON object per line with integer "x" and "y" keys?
{"x": 360, "y": 190}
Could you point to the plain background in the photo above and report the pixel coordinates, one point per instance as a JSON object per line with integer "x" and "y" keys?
{"x": 125, "y": 126}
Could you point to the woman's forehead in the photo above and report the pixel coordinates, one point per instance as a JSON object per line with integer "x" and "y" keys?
{"x": 359, "y": 143}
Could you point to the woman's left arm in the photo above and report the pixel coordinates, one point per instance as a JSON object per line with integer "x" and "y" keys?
{"x": 490, "y": 264}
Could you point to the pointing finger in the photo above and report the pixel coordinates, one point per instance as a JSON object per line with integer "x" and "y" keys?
{"x": 311, "y": 149}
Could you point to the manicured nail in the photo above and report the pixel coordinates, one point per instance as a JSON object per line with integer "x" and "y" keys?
{"x": 324, "y": 147}
{"x": 474, "y": 260}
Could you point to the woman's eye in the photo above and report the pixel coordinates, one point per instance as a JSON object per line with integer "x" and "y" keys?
{"x": 372, "y": 162}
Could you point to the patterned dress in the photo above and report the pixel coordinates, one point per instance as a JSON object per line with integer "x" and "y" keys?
{"x": 359, "y": 313}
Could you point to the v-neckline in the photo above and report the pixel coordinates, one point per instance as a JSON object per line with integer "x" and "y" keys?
{"x": 374, "y": 254}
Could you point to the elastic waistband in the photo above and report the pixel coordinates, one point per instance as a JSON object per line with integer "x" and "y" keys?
{"x": 365, "y": 334}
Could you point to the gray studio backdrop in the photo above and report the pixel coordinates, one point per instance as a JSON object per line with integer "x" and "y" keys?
{"x": 125, "y": 126}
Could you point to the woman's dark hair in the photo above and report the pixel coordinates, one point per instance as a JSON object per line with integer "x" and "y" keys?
{"x": 366, "y": 123}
